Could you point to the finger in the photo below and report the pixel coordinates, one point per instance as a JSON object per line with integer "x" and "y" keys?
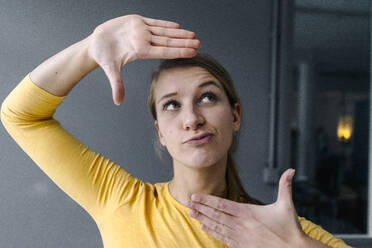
{"x": 172, "y": 32}
{"x": 285, "y": 186}
{"x": 224, "y": 239}
{"x": 212, "y": 224}
{"x": 213, "y": 214}
{"x": 170, "y": 52}
{"x": 161, "y": 23}
{"x": 227, "y": 206}
{"x": 169, "y": 42}
{"x": 113, "y": 73}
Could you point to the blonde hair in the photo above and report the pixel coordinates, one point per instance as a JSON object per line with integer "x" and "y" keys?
{"x": 235, "y": 190}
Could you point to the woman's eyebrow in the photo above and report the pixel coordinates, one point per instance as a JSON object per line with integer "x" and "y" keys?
{"x": 205, "y": 84}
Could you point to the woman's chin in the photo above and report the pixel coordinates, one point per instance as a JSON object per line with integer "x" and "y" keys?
{"x": 200, "y": 159}
{"x": 200, "y": 162}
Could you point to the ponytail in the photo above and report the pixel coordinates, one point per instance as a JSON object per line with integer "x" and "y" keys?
{"x": 235, "y": 189}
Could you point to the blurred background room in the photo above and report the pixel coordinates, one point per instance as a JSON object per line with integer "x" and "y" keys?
{"x": 329, "y": 116}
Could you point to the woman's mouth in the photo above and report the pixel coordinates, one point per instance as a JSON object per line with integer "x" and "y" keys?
{"x": 200, "y": 141}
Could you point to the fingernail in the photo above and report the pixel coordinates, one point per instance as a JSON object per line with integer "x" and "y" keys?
{"x": 291, "y": 174}
{"x": 194, "y": 198}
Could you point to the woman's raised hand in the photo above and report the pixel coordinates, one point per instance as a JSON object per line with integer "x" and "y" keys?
{"x": 119, "y": 41}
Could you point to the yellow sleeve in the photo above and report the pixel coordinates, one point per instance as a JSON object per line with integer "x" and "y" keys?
{"x": 318, "y": 233}
{"x": 93, "y": 181}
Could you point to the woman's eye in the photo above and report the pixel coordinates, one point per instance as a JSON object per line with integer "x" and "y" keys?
{"x": 171, "y": 105}
{"x": 210, "y": 96}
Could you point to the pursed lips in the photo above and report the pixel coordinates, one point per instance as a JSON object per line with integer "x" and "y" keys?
{"x": 199, "y": 137}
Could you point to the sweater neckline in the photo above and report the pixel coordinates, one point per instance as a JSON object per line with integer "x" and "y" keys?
{"x": 173, "y": 200}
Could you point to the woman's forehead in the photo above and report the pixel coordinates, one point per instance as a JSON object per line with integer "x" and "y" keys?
{"x": 183, "y": 77}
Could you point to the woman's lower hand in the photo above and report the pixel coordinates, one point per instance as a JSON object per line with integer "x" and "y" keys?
{"x": 119, "y": 41}
{"x": 245, "y": 225}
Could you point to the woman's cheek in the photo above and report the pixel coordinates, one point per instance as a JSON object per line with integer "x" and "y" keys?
{"x": 171, "y": 136}
{"x": 222, "y": 118}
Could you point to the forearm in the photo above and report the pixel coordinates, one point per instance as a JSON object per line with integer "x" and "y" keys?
{"x": 59, "y": 74}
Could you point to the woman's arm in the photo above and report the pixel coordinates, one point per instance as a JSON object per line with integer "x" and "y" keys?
{"x": 93, "y": 181}
{"x": 59, "y": 74}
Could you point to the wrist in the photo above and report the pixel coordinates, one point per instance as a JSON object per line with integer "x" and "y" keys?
{"x": 304, "y": 241}
{"x": 90, "y": 64}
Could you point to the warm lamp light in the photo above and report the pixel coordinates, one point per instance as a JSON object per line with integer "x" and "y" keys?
{"x": 345, "y": 128}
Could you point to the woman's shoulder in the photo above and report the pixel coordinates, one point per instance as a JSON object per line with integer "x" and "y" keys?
{"x": 318, "y": 233}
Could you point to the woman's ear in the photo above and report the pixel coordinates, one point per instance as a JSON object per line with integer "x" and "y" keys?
{"x": 160, "y": 136}
{"x": 236, "y": 117}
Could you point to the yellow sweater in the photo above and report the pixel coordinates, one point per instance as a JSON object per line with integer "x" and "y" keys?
{"x": 127, "y": 211}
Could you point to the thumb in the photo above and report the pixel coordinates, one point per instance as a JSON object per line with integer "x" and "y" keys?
{"x": 285, "y": 187}
{"x": 113, "y": 73}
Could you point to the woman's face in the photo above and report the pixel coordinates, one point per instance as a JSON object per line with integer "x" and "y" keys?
{"x": 190, "y": 102}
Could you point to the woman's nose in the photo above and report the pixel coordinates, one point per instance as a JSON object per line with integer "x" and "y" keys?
{"x": 192, "y": 118}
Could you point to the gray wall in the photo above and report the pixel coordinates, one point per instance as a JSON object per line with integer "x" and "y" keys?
{"x": 33, "y": 211}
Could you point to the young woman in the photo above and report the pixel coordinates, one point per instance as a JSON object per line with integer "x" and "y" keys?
{"x": 196, "y": 114}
